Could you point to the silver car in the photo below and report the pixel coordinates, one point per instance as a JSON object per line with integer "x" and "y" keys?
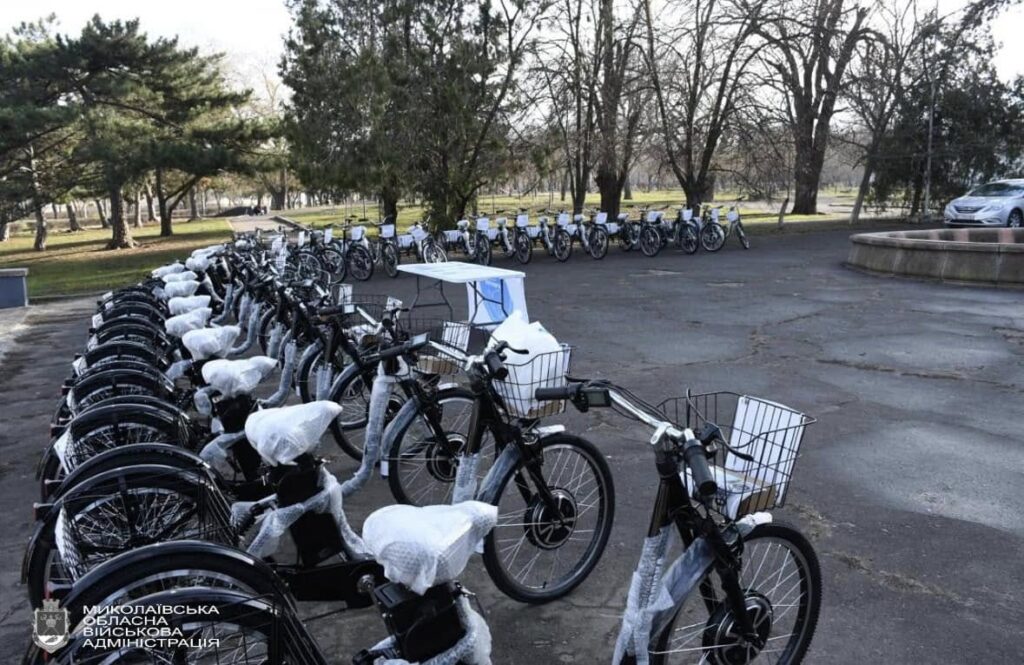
{"x": 999, "y": 203}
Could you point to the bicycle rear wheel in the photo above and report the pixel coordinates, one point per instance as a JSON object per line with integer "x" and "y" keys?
{"x": 781, "y": 579}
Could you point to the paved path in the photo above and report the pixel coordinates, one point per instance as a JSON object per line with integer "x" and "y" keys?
{"x": 909, "y": 485}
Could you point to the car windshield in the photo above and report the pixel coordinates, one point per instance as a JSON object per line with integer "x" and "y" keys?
{"x": 997, "y": 189}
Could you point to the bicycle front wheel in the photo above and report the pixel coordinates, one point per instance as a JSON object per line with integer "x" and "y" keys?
{"x": 389, "y": 257}
{"x": 598, "y": 242}
{"x": 712, "y": 237}
{"x": 781, "y": 580}
{"x": 360, "y": 263}
{"x": 650, "y": 241}
{"x": 542, "y": 549}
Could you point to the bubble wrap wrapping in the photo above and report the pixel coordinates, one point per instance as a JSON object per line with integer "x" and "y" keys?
{"x": 287, "y": 372}
{"x": 635, "y": 632}
{"x": 421, "y": 546}
{"x": 208, "y": 250}
{"x": 280, "y": 435}
{"x": 168, "y": 269}
{"x": 473, "y": 649}
{"x": 274, "y": 343}
{"x": 237, "y": 377}
{"x": 210, "y": 342}
{"x": 465, "y": 478}
{"x": 185, "y": 304}
{"x": 195, "y": 319}
{"x": 178, "y": 369}
{"x": 229, "y": 304}
{"x": 324, "y": 379}
{"x": 183, "y": 276}
{"x": 273, "y": 523}
{"x": 180, "y": 289}
{"x": 380, "y": 395}
{"x": 215, "y": 453}
{"x": 202, "y": 401}
{"x": 252, "y": 329}
{"x": 198, "y": 263}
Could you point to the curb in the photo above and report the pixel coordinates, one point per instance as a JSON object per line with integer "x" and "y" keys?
{"x": 290, "y": 222}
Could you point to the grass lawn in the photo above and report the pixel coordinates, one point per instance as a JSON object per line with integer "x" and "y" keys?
{"x": 755, "y": 213}
{"x": 79, "y": 263}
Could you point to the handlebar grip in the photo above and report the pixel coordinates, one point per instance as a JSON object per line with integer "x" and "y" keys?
{"x": 559, "y": 392}
{"x": 696, "y": 458}
{"x": 495, "y": 367}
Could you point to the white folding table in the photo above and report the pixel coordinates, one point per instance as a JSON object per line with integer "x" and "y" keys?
{"x": 492, "y": 293}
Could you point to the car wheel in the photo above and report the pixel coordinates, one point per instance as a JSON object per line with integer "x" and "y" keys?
{"x": 1016, "y": 219}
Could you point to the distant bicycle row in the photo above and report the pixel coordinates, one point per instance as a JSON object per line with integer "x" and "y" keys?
{"x": 349, "y": 250}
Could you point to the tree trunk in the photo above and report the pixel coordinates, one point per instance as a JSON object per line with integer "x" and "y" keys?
{"x": 37, "y": 205}
{"x": 102, "y": 214}
{"x": 610, "y": 186}
{"x": 73, "y": 224}
{"x": 166, "y": 227}
{"x": 627, "y": 190}
{"x": 862, "y": 191}
{"x": 193, "y": 208}
{"x": 121, "y": 235}
{"x": 53, "y": 208}
{"x": 782, "y": 212}
{"x": 5, "y": 231}
{"x": 150, "y": 212}
{"x": 137, "y": 210}
{"x": 806, "y": 177}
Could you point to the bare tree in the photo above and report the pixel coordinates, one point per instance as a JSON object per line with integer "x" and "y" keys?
{"x": 701, "y": 72}
{"x": 812, "y": 44}
{"x": 879, "y": 78}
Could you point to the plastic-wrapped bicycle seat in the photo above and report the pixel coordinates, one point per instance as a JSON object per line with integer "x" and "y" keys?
{"x": 180, "y": 289}
{"x": 168, "y": 269}
{"x": 280, "y": 435}
{"x": 197, "y": 263}
{"x": 194, "y": 319}
{"x": 210, "y": 342}
{"x": 181, "y": 304}
{"x": 182, "y": 276}
{"x": 237, "y": 377}
{"x": 424, "y": 546}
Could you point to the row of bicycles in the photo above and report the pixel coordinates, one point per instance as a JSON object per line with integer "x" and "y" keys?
{"x": 354, "y": 252}
{"x": 185, "y": 482}
{"x": 557, "y": 233}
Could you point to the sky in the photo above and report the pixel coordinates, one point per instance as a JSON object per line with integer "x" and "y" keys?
{"x": 250, "y": 31}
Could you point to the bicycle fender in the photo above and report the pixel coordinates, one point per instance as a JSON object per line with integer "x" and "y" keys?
{"x": 39, "y": 536}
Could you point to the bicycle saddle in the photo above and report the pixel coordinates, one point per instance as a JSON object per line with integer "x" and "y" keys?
{"x": 210, "y": 342}
{"x": 422, "y": 547}
{"x": 183, "y": 304}
{"x": 281, "y": 435}
{"x": 237, "y": 377}
{"x": 194, "y": 319}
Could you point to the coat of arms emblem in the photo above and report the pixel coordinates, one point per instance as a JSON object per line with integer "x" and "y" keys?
{"x": 50, "y": 627}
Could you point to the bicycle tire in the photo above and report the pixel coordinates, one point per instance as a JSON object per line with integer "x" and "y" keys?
{"x": 742, "y": 235}
{"x": 390, "y": 259}
{"x": 712, "y": 237}
{"x": 807, "y": 615}
{"x": 650, "y": 241}
{"x": 598, "y": 242}
{"x": 524, "y": 248}
{"x": 360, "y": 263}
{"x": 582, "y": 569}
{"x": 441, "y": 468}
{"x": 563, "y": 245}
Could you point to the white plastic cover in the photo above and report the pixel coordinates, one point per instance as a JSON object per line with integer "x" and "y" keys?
{"x": 208, "y": 250}
{"x": 182, "y": 304}
{"x": 182, "y": 276}
{"x": 195, "y": 319}
{"x": 523, "y": 375}
{"x": 275, "y": 522}
{"x": 237, "y": 377}
{"x": 424, "y": 546}
{"x": 168, "y": 269}
{"x": 198, "y": 263}
{"x": 180, "y": 289}
{"x": 210, "y": 342}
{"x": 281, "y": 435}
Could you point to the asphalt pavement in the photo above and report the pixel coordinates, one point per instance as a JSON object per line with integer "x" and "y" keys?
{"x": 910, "y": 484}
